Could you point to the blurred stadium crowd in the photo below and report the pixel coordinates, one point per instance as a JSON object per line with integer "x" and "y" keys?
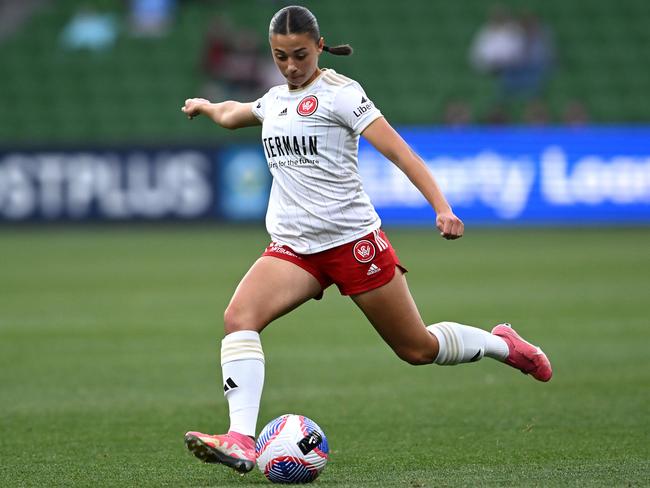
{"x": 117, "y": 71}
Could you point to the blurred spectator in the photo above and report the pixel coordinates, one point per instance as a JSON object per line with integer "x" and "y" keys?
{"x": 89, "y": 29}
{"x": 457, "y": 114}
{"x": 536, "y": 113}
{"x": 499, "y": 44}
{"x": 519, "y": 52}
{"x": 528, "y": 78}
{"x": 215, "y": 46}
{"x": 151, "y": 18}
{"x": 240, "y": 63}
{"x": 14, "y": 13}
{"x": 575, "y": 114}
{"x": 497, "y": 115}
{"x": 236, "y": 63}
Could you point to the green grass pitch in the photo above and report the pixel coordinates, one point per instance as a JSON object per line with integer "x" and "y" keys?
{"x": 109, "y": 353}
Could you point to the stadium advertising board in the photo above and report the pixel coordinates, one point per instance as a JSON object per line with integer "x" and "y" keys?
{"x": 137, "y": 184}
{"x": 521, "y": 175}
{"x": 111, "y": 185}
{"x": 491, "y": 176}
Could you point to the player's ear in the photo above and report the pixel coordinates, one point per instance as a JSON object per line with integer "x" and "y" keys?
{"x": 321, "y": 45}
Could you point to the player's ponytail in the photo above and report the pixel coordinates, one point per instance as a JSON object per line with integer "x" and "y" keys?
{"x": 341, "y": 50}
{"x": 299, "y": 20}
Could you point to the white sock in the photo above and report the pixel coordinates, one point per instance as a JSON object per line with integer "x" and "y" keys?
{"x": 464, "y": 344}
{"x": 242, "y": 366}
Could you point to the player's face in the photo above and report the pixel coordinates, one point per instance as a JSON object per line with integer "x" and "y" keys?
{"x": 296, "y": 56}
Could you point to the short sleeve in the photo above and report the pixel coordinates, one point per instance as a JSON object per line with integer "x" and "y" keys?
{"x": 259, "y": 107}
{"x": 353, "y": 109}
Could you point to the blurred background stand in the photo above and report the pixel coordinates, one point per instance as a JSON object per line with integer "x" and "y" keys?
{"x": 151, "y": 18}
{"x": 90, "y": 29}
{"x": 13, "y": 13}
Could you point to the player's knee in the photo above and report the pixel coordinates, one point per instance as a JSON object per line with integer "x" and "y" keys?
{"x": 237, "y": 318}
{"x": 416, "y": 356}
{"x": 233, "y": 319}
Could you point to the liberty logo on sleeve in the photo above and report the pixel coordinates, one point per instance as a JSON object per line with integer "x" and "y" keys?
{"x": 364, "y": 251}
{"x": 363, "y": 108}
{"x": 307, "y": 105}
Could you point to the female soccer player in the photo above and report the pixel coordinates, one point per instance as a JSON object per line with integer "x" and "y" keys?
{"x": 325, "y": 231}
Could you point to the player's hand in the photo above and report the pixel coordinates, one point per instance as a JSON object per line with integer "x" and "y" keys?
{"x": 450, "y": 226}
{"x": 192, "y": 107}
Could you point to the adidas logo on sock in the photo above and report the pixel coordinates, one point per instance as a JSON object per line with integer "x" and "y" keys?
{"x": 284, "y": 112}
{"x": 229, "y": 385}
{"x": 373, "y": 269}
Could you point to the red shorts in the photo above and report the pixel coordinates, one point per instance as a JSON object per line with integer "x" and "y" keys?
{"x": 356, "y": 267}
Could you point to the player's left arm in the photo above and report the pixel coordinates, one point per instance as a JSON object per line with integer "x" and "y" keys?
{"x": 388, "y": 142}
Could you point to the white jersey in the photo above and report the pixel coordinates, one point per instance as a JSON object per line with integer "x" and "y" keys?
{"x": 311, "y": 140}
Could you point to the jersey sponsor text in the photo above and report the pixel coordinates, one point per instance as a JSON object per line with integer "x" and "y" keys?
{"x": 290, "y": 146}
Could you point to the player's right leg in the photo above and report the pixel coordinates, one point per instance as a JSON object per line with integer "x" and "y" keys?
{"x": 392, "y": 311}
{"x": 270, "y": 289}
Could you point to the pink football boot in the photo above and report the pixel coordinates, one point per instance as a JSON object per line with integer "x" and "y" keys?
{"x": 523, "y": 355}
{"x": 235, "y": 450}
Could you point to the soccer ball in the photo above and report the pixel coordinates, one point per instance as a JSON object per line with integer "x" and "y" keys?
{"x": 291, "y": 449}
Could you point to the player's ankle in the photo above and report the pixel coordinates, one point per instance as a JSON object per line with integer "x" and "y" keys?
{"x": 246, "y": 440}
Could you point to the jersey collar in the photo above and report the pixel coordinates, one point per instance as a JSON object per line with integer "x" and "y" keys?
{"x": 311, "y": 84}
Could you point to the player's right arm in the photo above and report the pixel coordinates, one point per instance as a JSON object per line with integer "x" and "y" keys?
{"x": 229, "y": 115}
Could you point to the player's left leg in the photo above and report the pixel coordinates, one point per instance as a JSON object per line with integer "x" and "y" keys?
{"x": 271, "y": 288}
{"x": 392, "y": 311}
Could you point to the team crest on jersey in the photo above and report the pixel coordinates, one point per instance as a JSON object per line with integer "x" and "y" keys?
{"x": 364, "y": 251}
{"x": 307, "y": 105}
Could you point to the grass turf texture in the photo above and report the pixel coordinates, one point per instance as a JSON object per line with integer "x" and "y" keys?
{"x": 109, "y": 353}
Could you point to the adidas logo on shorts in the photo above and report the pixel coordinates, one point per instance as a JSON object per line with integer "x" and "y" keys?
{"x": 373, "y": 269}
